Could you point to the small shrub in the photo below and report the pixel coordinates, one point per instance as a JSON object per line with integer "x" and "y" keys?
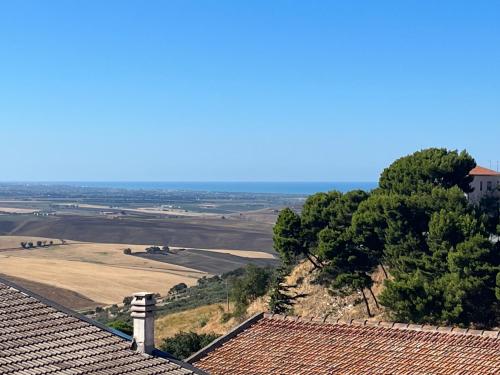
{"x": 225, "y": 317}
{"x": 183, "y": 344}
{"x": 120, "y": 325}
{"x": 153, "y": 250}
{"x": 127, "y": 251}
{"x": 179, "y": 288}
{"x": 203, "y": 320}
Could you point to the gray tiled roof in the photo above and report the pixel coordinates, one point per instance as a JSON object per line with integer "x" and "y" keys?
{"x": 40, "y": 337}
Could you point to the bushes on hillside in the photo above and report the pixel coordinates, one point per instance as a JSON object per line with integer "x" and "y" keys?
{"x": 252, "y": 284}
{"x": 179, "y": 288}
{"x": 39, "y": 243}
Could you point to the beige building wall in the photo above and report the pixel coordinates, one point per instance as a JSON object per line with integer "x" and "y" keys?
{"x": 484, "y": 185}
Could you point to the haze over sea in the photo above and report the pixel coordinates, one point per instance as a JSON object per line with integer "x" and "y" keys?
{"x": 301, "y": 188}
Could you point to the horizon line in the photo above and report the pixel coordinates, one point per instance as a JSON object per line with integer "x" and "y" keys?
{"x": 187, "y": 181}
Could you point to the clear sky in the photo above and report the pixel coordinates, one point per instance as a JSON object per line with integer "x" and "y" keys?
{"x": 243, "y": 90}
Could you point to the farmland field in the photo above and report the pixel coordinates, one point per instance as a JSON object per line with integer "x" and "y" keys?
{"x": 208, "y": 233}
{"x": 100, "y": 272}
{"x": 182, "y": 231}
{"x": 65, "y": 297}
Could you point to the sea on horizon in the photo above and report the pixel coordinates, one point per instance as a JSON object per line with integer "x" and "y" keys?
{"x": 296, "y": 188}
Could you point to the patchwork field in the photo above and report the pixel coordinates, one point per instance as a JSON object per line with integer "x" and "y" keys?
{"x": 200, "y": 233}
{"x": 102, "y": 273}
{"x": 210, "y": 233}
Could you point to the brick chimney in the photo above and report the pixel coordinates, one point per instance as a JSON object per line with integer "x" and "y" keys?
{"x": 143, "y": 307}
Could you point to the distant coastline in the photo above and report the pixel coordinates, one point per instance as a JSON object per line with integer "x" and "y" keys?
{"x": 295, "y": 188}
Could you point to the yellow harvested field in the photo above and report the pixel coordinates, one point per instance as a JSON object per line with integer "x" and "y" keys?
{"x": 82, "y": 250}
{"x": 101, "y": 283}
{"x": 99, "y": 271}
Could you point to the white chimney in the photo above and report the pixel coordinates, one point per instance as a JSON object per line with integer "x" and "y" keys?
{"x": 143, "y": 307}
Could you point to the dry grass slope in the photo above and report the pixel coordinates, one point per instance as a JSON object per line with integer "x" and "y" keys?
{"x": 319, "y": 303}
{"x": 204, "y": 319}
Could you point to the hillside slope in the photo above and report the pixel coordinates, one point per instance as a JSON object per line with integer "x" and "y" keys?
{"x": 203, "y": 319}
{"x": 317, "y": 303}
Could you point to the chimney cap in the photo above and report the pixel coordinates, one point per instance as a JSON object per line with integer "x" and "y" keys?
{"x": 143, "y": 299}
{"x": 143, "y": 294}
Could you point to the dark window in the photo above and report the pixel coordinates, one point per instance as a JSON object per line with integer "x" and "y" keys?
{"x": 489, "y": 186}
{"x": 480, "y": 185}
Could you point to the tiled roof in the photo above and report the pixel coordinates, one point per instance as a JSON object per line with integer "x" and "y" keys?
{"x": 481, "y": 171}
{"x": 40, "y": 337}
{"x": 280, "y": 345}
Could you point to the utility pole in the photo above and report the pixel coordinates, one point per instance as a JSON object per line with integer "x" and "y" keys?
{"x": 227, "y": 296}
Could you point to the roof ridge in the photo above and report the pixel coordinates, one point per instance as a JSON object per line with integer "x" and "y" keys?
{"x": 389, "y": 325}
{"x": 483, "y": 171}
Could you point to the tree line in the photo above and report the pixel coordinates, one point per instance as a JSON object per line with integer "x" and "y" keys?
{"x": 39, "y": 243}
{"x": 442, "y": 253}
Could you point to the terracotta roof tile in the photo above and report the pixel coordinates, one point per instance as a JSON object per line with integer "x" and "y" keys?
{"x": 38, "y": 337}
{"x": 481, "y": 171}
{"x": 274, "y": 345}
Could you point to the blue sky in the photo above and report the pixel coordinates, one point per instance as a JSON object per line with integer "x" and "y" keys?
{"x": 241, "y": 91}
